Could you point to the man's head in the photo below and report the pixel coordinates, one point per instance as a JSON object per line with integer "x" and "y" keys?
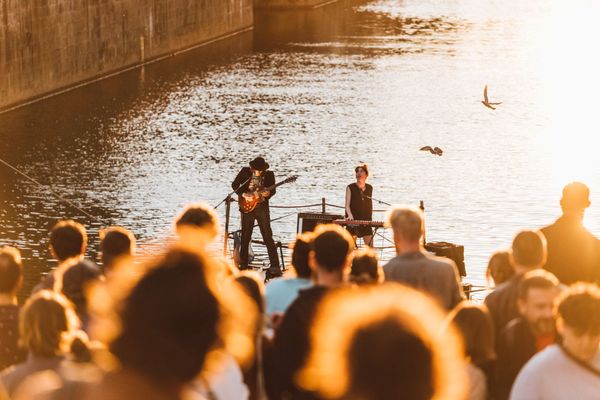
{"x": 197, "y": 223}
{"x": 68, "y": 239}
{"x": 259, "y": 165}
{"x": 169, "y": 320}
{"x": 579, "y": 320}
{"x": 11, "y": 270}
{"x": 575, "y": 198}
{"x": 407, "y": 224}
{"x": 331, "y": 249}
{"x": 528, "y": 250}
{"x": 537, "y": 292}
{"x": 300, "y": 255}
{"x": 115, "y": 242}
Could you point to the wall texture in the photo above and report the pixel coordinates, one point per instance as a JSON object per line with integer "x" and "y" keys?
{"x": 275, "y": 4}
{"x": 49, "y": 45}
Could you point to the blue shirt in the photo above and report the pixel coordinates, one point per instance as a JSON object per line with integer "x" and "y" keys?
{"x": 280, "y": 293}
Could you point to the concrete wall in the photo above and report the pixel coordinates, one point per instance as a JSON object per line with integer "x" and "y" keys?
{"x": 49, "y": 45}
{"x": 285, "y": 4}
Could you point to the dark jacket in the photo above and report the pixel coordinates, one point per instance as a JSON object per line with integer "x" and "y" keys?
{"x": 573, "y": 252}
{"x": 502, "y": 303}
{"x": 515, "y": 346}
{"x": 243, "y": 177}
{"x": 291, "y": 345}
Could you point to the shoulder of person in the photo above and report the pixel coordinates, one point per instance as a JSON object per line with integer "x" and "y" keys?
{"x": 441, "y": 261}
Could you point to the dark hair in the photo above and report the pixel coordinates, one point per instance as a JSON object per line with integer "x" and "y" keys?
{"x": 197, "y": 215}
{"x": 499, "y": 267}
{"x": 115, "y": 242}
{"x": 11, "y": 269}
{"x": 300, "y": 255}
{"x": 332, "y": 246}
{"x": 365, "y": 267}
{"x": 386, "y": 343}
{"x": 169, "y": 320}
{"x": 68, "y": 239}
{"x": 254, "y": 288}
{"x": 538, "y": 278}
{"x": 475, "y": 324}
{"x": 409, "y": 363}
{"x": 73, "y": 283}
{"x": 529, "y": 249}
{"x": 364, "y": 166}
{"x": 579, "y": 308}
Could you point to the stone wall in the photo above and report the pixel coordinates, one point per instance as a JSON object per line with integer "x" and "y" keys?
{"x": 49, "y": 45}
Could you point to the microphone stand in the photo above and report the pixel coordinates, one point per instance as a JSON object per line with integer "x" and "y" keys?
{"x": 228, "y": 201}
{"x": 379, "y": 201}
{"x": 228, "y": 197}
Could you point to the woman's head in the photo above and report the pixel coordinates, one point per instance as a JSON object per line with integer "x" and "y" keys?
{"x": 475, "y": 324}
{"x": 499, "y": 268}
{"x": 46, "y": 322}
{"x": 361, "y": 171}
{"x": 383, "y": 343}
{"x": 365, "y": 267}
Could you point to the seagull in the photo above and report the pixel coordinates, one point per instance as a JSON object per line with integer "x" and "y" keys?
{"x": 436, "y": 150}
{"x": 486, "y": 101}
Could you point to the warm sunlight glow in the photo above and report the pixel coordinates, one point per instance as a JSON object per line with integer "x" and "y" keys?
{"x": 569, "y": 66}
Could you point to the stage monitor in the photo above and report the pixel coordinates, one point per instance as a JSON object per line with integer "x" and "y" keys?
{"x": 308, "y": 221}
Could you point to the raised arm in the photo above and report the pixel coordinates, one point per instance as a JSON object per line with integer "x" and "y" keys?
{"x": 237, "y": 182}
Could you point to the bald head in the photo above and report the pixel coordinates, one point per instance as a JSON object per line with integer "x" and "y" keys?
{"x": 575, "y": 197}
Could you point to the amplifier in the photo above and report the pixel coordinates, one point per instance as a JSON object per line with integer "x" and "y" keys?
{"x": 455, "y": 252}
{"x": 308, "y": 221}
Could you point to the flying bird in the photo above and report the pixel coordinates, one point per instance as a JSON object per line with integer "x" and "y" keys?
{"x": 436, "y": 150}
{"x": 486, "y": 101}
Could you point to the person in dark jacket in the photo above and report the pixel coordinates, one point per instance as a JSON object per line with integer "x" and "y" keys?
{"x": 330, "y": 259}
{"x": 531, "y": 332}
{"x": 573, "y": 252}
{"x": 251, "y": 182}
{"x": 11, "y": 278}
{"x": 528, "y": 253}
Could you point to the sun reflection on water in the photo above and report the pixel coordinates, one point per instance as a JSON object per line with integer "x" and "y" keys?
{"x": 569, "y": 68}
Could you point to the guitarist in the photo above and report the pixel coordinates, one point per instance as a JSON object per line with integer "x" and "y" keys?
{"x": 251, "y": 181}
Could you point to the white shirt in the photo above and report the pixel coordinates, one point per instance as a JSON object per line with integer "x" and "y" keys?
{"x": 552, "y": 375}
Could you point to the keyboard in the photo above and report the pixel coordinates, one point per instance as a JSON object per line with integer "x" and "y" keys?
{"x": 358, "y": 222}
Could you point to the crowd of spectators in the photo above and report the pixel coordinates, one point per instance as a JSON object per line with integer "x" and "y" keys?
{"x": 187, "y": 324}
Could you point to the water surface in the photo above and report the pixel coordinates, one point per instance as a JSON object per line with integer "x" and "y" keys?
{"x": 315, "y": 92}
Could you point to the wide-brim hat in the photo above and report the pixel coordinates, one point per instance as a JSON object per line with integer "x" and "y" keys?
{"x": 259, "y": 164}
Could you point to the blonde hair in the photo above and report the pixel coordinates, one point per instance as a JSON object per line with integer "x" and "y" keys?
{"x": 389, "y": 312}
{"x": 46, "y": 324}
{"x": 406, "y": 221}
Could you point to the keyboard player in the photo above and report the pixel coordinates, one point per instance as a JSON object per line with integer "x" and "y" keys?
{"x": 359, "y": 204}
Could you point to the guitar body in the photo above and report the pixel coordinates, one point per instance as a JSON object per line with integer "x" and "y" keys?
{"x": 247, "y": 205}
{"x": 249, "y": 201}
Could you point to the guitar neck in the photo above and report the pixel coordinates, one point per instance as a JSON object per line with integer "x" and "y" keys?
{"x": 269, "y": 188}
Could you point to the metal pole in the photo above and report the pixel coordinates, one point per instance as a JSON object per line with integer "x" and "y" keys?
{"x": 422, "y": 207}
{"x": 226, "y": 238}
{"x": 323, "y": 205}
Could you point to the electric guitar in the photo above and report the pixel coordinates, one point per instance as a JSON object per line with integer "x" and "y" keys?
{"x": 249, "y": 200}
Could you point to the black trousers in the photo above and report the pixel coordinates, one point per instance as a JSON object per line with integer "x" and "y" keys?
{"x": 262, "y": 215}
